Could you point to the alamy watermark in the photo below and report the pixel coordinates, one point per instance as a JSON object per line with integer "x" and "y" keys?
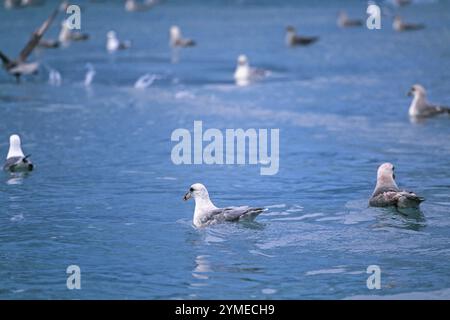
{"x": 235, "y": 146}
{"x": 74, "y": 278}
{"x": 74, "y": 20}
{"x": 374, "y": 280}
{"x": 374, "y": 19}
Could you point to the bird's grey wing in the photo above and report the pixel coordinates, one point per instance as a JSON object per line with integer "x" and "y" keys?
{"x": 11, "y": 162}
{"x": 436, "y": 109}
{"x": 36, "y": 37}
{"x": 384, "y": 199}
{"x": 407, "y": 199}
{"x": 235, "y": 213}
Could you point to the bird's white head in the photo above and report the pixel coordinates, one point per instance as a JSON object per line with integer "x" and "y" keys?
{"x": 242, "y": 60}
{"x": 15, "y": 149}
{"x": 385, "y": 174}
{"x": 196, "y": 191}
{"x": 417, "y": 91}
{"x": 175, "y": 32}
{"x": 111, "y": 34}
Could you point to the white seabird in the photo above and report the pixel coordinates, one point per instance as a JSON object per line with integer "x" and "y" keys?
{"x": 177, "y": 40}
{"x": 244, "y": 74}
{"x": 420, "y": 107}
{"x": 19, "y": 66}
{"x": 388, "y": 194}
{"x": 66, "y": 35}
{"x": 344, "y": 21}
{"x": 89, "y": 76}
{"x": 292, "y": 39}
{"x": 16, "y": 160}
{"x": 113, "y": 43}
{"x": 399, "y": 25}
{"x": 207, "y": 213}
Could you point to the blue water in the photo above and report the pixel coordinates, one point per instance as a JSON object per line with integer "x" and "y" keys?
{"x": 106, "y": 196}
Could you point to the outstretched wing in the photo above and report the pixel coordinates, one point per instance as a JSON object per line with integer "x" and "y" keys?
{"x": 36, "y": 37}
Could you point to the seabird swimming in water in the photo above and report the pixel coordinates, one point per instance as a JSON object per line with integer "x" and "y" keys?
{"x": 113, "y": 43}
{"x": 292, "y": 39}
{"x": 15, "y": 160}
{"x": 344, "y": 21}
{"x": 387, "y": 193}
{"x": 399, "y": 25}
{"x": 177, "y": 40}
{"x": 19, "y": 66}
{"x": 133, "y": 6}
{"x": 207, "y": 213}
{"x": 420, "y": 107}
{"x": 402, "y": 3}
{"x": 66, "y": 35}
{"x": 244, "y": 74}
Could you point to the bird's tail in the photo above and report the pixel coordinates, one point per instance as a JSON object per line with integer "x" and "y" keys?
{"x": 253, "y": 213}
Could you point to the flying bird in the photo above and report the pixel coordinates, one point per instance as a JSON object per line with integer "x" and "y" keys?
{"x": 206, "y": 213}
{"x": 292, "y": 39}
{"x": 387, "y": 193}
{"x": 16, "y": 161}
{"x": 420, "y": 107}
{"x": 19, "y": 66}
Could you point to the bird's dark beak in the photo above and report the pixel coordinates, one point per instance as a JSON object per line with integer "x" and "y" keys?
{"x": 187, "y": 196}
{"x": 410, "y": 93}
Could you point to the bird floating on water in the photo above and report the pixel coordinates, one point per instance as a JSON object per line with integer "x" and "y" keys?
{"x": 387, "y": 193}
{"x": 206, "y": 213}
{"x": 399, "y": 25}
{"x": 134, "y": 6}
{"x": 113, "y": 43}
{"x": 244, "y": 74}
{"x": 344, "y": 21}
{"x": 177, "y": 40}
{"x": 16, "y": 161}
{"x": 292, "y": 39}
{"x": 420, "y": 107}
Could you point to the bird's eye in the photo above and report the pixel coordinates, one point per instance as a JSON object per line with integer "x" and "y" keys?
{"x": 191, "y": 189}
{"x": 413, "y": 89}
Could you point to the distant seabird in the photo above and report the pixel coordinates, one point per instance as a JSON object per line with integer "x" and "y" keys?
{"x": 344, "y": 21}
{"x": 177, "y": 40}
{"x": 207, "y": 213}
{"x": 292, "y": 39}
{"x": 19, "y": 66}
{"x": 399, "y": 25}
{"x": 420, "y": 107}
{"x": 15, "y": 160}
{"x": 113, "y": 43}
{"x": 388, "y": 194}
{"x": 402, "y": 3}
{"x": 66, "y": 35}
{"x": 244, "y": 74}
{"x": 133, "y": 6}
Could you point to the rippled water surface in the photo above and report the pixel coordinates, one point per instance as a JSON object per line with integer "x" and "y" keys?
{"x": 106, "y": 196}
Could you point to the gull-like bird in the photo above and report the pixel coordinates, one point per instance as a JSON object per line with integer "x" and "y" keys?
{"x": 292, "y": 39}
{"x": 344, "y": 21}
{"x": 177, "y": 40}
{"x": 16, "y": 161}
{"x": 206, "y": 213}
{"x": 420, "y": 107}
{"x": 67, "y": 35}
{"x": 113, "y": 43}
{"x": 244, "y": 74}
{"x": 399, "y": 25}
{"x": 387, "y": 193}
{"x": 19, "y": 66}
